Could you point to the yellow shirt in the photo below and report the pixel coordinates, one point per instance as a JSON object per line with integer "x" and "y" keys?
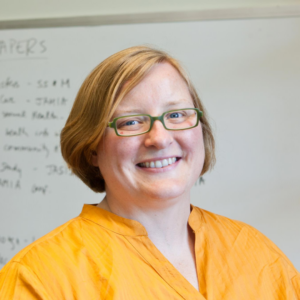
{"x": 99, "y": 255}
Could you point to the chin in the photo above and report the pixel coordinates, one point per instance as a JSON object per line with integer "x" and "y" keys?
{"x": 163, "y": 191}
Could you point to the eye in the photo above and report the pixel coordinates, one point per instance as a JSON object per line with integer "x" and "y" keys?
{"x": 131, "y": 122}
{"x": 175, "y": 115}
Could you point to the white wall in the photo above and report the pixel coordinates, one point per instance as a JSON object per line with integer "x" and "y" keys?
{"x": 247, "y": 74}
{"x": 35, "y": 9}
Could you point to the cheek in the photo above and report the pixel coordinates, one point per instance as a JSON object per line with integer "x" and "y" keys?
{"x": 116, "y": 152}
{"x": 194, "y": 142}
{"x": 200, "y": 145}
{"x": 200, "y": 142}
{"x": 196, "y": 150}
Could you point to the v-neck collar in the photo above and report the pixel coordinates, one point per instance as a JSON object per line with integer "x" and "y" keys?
{"x": 112, "y": 221}
{"x": 136, "y": 234}
{"x": 126, "y": 226}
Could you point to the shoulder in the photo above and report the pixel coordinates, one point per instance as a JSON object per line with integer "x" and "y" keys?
{"x": 224, "y": 225}
{"x": 242, "y": 239}
{"x": 64, "y": 244}
{"x": 70, "y": 232}
{"x": 67, "y": 240}
{"x": 239, "y": 255}
{"x": 53, "y": 264}
{"x": 221, "y": 225}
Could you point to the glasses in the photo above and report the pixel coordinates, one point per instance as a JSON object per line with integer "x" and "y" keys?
{"x": 179, "y": 119}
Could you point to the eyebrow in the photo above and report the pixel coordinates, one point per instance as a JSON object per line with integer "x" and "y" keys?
{"x": 174, "y": 103}
{"x": 139, "y": 111}
{"x": 130, "y": 112}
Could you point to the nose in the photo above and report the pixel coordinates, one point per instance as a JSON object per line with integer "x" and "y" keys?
{"x": 158, "y": 136}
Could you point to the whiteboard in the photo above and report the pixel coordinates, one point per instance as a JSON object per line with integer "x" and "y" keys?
{"x": 247, "y": 73}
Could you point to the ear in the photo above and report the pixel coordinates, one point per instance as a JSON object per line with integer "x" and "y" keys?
{"x": 94, "y": 159}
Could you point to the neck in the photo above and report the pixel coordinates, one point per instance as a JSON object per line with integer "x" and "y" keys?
{"x": 166, "y": 222}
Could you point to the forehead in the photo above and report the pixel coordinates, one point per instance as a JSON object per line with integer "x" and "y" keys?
{"x": 162, "y": 86}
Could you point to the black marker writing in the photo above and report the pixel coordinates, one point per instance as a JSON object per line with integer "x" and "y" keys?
{"x": 42, "y": 148}
{"x": 8, "y": 83}
{"x": 7, "y": 114}
{"x": 39, "y": 189}
{"x": 48, "y": 115}
{"x": 58, "y": 170}
{"x": 45, "y": 101}
{"x": 6, "y": 167}
{"x": 16, "y": 132}
{"x": 43, "y": 84}
{"x": 13, "y": 242}
{"x": 3, "y": 260}
{"x": 6, "y": 100}
{"x": 42, "y": 133}
{"x": 200, "y": 181}
{"x": 10, "y": 184}
{"x": 28, "y": 47}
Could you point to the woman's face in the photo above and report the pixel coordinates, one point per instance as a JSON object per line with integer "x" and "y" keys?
{"x": 121, "y": 159}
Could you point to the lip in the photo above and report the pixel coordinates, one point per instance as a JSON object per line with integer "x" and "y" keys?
{"x": 158, "y": 158}
{"x": 160, "y": 170}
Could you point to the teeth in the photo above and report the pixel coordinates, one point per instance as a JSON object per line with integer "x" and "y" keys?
{"x": 159, "y": 163}
{"x": 165, "y": 162}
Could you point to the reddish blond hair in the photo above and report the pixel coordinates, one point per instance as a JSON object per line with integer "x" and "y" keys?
{"x": 97, "y": 100}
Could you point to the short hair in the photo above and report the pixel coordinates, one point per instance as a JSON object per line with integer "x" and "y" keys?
{"x": 97, "y": 100}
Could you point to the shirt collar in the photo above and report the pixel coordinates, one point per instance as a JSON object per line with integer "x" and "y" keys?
{"x": 112, "y": 221}
{"x": 196, "y": 218}
{"x": 125, "y": 226}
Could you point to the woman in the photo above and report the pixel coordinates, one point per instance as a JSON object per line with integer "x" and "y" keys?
{"x": 138, "y": 131}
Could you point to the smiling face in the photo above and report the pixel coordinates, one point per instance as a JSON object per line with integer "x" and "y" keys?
{"x": 160, "y": 164}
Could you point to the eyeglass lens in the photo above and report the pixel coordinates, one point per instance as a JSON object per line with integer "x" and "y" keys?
{"x": 174, "y": 120}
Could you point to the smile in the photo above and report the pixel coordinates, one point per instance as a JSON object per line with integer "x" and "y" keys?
{"x": 158, "y": 163}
